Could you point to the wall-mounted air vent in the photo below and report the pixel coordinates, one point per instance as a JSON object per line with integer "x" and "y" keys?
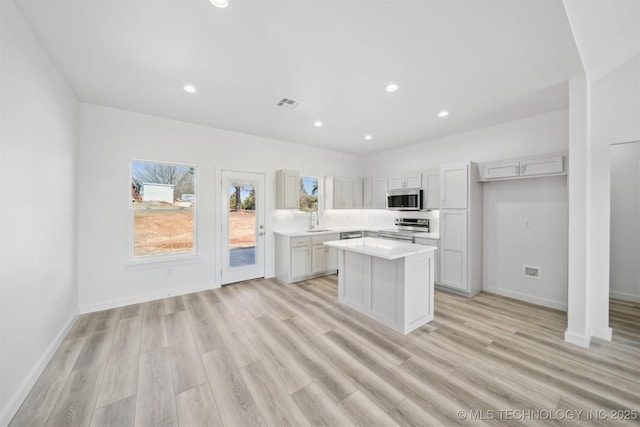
{"x": 290, "y": 104}
{"x": 531, "y": 272}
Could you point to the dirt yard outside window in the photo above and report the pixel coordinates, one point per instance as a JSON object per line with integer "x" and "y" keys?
{"x": 169, "y": 231}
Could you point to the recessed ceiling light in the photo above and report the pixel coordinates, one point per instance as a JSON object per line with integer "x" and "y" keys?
{"x": 443, "y": 113}
{"x": 392, "y": 87}
{"x": 220, "y": 3}
{"x": 190, "y": 88}
{"x": 368, "y": 137}
{"x": 317, "y": 123}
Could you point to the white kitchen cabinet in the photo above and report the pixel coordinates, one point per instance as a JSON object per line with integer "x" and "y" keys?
{"x": 453, "y": 235}
{"x": 501, "y": 169}
{"x": 357, "y": 193}
{"x": 344, "y": 192}
{"x": 303, "y": 257}
{"x": 300, "y": 261}
{"x": 454, "y": 185}
{"x": 431, "y": 187}
{"x": 523, "y": 167}
{"x": 398, "y": 182}
{"x": 319, "y": 255}
{"x": 461, "y": 226}
{"x": 436, "y": 254}
{"x": 374, "y": 195}
{"x": 542, "y": 166}
{"x": 287, "y": 189}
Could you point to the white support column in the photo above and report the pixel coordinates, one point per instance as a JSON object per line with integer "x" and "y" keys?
{"x": 578, "y": 306}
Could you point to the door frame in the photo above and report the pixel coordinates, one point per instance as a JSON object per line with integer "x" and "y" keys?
{"x": 227, "y": 273}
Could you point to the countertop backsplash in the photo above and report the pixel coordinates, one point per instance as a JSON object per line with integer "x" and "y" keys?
{"x": 365, "y": 219}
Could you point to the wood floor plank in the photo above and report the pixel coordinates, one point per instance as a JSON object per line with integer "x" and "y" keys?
{"x": 120, "y": 380}
{"x": 235, "y": 403}
{"x": 240, "y": 348}
{"x": 154, "y": 328}
{"x": 282, "y": 365}
{"x": 363, "y": 412}
{"x": 274, "y": 402}
{"x": 197, "y": 408}
{"x": 266, "y": 353}
{"x": 173, "y": 304}
{"x": 39, "y": 402}
{"x": 228, "y": 298}
{"x": 408, "y": 414}
{"x": 76, "y": 402}
{"x": 319, "y": 409}
{"x": 155, "y": 403}
{"x": 96, "y": 349}
{"x": 186, "y": 363}
{"x": 366, "y": 380}
{"x": 205, "y": 332}
{"x": 323, "y": 372}
{"x": 251, "y": 300}
{"x": 127, "y": 338}
{"x": 117, "y": 414}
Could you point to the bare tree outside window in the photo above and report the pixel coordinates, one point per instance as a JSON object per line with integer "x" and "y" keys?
{"x": 163, "y": 202}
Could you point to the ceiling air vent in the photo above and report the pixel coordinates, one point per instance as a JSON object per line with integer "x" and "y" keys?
{"x": 288, "y": 103}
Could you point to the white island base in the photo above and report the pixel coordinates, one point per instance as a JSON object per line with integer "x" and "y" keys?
{"x": 389, "y": 281}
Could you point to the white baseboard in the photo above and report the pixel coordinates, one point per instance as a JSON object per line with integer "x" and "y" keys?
{"x": 579, "y": 340}
{"x": 9, "y": 411}
{"x": 602, "y": 333}
{"x": 137, "y": 299}
{"x": 558, "y": 305}
{"x": 624, "y": 296}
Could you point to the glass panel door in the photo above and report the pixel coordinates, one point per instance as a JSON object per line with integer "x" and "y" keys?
{"x": 242, "y": 226}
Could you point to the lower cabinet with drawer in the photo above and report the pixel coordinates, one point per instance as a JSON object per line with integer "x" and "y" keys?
{"x": 303, "y": 257}
{"x": 436, "y": 243}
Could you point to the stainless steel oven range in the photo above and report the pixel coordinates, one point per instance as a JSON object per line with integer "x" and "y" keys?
{"x": 405, "y": 229}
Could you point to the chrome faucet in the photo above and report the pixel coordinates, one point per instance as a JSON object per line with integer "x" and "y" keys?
{"x": 311, "y": 225}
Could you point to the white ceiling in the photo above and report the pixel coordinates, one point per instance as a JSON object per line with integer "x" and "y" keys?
{"x": 485, "y": 61}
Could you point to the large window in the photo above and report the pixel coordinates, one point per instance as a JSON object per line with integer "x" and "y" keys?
{"x": 163, "y": 206}
{"x": 309, "y": 193}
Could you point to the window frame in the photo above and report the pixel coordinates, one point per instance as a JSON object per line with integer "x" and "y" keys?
{"x": 320, "y": 192}
{"x": 163, "y": 257}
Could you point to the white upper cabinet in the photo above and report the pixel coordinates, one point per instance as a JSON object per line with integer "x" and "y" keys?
{"x": 342, "y": 192}
{"x": 357, "y": 192}
{"x": 374, "y": 193}
{"x": 501, "y": 169}
{"x": 287, "y": 189}
{"x": 398, "y": 182}
{"x": 541, "y": 166}
{"x": 454, "y": 179}
{"x": 431, "y": 187}
{"x": 523, "y": 167}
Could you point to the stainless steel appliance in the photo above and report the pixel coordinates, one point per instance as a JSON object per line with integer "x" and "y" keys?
{"x": 405, "y": 229}
{"x": 350, "y": 235}
{"x": 407, "y": 199}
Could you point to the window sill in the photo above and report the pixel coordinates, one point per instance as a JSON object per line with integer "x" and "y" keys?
{"x": 162, "y": 261}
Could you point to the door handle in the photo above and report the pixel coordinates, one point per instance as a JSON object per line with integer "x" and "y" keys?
{"x": 261, "y": 233}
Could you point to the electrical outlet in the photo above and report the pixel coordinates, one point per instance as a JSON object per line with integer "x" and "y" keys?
{"x": 531, "y": 272}
{"x": 526, "y": 223}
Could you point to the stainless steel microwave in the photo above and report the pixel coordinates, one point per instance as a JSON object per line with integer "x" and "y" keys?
{"x": 407, "y": 199}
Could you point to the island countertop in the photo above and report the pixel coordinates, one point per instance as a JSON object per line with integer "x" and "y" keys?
{"x": 380, "y": 248}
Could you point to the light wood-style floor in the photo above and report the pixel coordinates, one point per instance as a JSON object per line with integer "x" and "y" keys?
{"x": 263, "y": 353}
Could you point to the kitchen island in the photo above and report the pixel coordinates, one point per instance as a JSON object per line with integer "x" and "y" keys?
{"x": 387, "y": 280}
